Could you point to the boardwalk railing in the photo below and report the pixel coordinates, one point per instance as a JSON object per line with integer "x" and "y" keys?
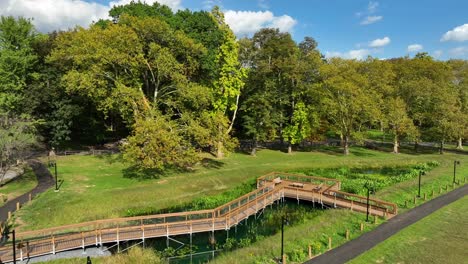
{"x": 270, "y": 188}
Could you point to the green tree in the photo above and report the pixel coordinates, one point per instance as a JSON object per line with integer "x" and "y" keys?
{"x": 16, "y": 137}
{"x": 155, "y": 145}
{"x": 346, "y": 97}
{"x": 17, "y": 60}
{"x": 228, "y": 83}
{"x": 459, "y": 79}
{"x": 398, "y": 121}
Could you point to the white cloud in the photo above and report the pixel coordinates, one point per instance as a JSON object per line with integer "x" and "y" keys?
{"x": 372, "y": 7}
{"x": 415, "y": 47}
{"x": 248, "y": 22}
{"x": 263, "y": 4}
{"x": 371, "y": 20}
{"x": 358, "y": 54}
{"x": 437, "y": 53}
{"x": 459, "y": 52}
{"x": 459, "y": 33}
{"x": 51, "y": 15}
{"x": 209, "y": 4}
{"x": 378, "y": 43}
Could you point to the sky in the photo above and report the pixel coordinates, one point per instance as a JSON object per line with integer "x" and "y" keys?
{"x": 343, "y": 28}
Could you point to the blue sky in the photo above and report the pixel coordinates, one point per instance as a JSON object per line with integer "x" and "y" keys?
{"x": 345, "y": 28}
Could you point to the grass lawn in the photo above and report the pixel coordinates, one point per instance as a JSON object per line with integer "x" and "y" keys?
{"x": 18, "y": 186}
{"x": 441, "y": 237}
{"x": 97, "y": 187}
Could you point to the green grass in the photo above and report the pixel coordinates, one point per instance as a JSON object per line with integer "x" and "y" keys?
{"x": 18, "y": 186}
{"x": 315, "y": 232}
{"x": 96, "y": 187}
{"x": 438, "y": 238}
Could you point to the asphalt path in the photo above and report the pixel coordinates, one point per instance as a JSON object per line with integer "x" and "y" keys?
{"x": 354, "y": 248}
{"x": 44, "y": 182}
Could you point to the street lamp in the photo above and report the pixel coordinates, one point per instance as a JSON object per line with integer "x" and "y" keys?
{"x": 284, "y": 221}
{"x": 368, "y": 187}
{"x": 455, "y": 163}
{"x": 53, "y": 163}
{"x": 5, "y": 238}
{"x": 419, "y": 188}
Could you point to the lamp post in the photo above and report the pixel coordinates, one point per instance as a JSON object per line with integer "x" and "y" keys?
{"x": 419, "y": 185}
{"x": 54, "y": 164}
{"x": 455, "y": 163}
{"x": 5, "y": 237}
{"x": 368, "y": 187}
{"x": 284, "y": 221}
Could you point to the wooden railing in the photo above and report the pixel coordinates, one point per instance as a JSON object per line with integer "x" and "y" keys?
{"x": 298, "y": 178}
{"x": 51, "y": 240}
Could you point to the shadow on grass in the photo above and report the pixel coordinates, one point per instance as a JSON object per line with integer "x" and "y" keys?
{"x": 134, "y": 172}
{"x": 111, "y": 158}
{"x": 211, "y": 163}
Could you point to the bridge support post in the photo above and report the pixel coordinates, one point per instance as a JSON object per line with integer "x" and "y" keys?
{"x": 334, "y": 204}
{"x": 167, "y": 235}
{"x": 143, "y": 235}
{"x": 82, "y": 242}
{"x": 53, "y": 245}
{"x": 100, "y": 237}
{"x": 118, "y": 240}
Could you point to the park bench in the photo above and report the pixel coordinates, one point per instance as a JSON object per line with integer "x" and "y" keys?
{"x": 297, "y": 185}
{"x": 318, "y": 187}
{"x": 277, "y": 180}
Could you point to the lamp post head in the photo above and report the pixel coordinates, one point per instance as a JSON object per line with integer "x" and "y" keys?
{"x": 457, "y": 162}
{"x": 421, "y": 172}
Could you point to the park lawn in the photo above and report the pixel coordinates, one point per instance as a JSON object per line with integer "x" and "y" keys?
{"x": 96, "y": 187}
{"x": 19, "y": 186}
{"x": 440, "y": 237}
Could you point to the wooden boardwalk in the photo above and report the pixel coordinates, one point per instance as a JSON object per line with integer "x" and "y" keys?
{"x": 270, "y": 188}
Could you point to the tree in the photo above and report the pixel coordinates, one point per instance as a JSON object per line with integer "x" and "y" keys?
{"x": 155, "y": 145}
{"x": 228, "y": 83}
{"x": 16, "y": 136}
{"x": 346, "y": 97}
{"x": 17, "y": 59}
{"x": 398, "y": 121}
{"x": 459, "y": 69}
{"x": 299, "y": 127}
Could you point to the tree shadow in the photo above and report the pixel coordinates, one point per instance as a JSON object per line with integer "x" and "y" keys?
{"x": 211, "y": 163}
{"x": 133, "y": 172}
{"x": 110, "y": 158}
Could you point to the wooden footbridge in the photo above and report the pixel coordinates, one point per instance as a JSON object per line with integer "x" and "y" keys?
{"x": 271, "y": 188}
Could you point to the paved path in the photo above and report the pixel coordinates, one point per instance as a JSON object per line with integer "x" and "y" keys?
{"x": 44, "y": 182}
{"x": 354, "y": 248}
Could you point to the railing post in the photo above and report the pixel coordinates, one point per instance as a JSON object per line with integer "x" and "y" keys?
{"x": 53, "y": 245}
{"x": 335, "y": 201}
{"x": 82, "y": 241}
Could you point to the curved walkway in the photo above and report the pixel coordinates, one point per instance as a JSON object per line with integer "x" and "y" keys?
{"x": 44, "y": 182}
{"x": 354, "y": 248}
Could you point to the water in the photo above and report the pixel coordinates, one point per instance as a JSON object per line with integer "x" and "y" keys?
{"x": 205, "y": 247}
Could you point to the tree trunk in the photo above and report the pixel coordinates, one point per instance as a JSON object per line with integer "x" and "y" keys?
{"x": 254, "y": 149}
{"x": 416, "y": 145}
{"x": 346, "y": 145}
{"x": 441, "y": 150}
{"x": 395, "y": 145}
{"x": 460, "y": 143}
{"x": 289, "y": 148}
{"x": 341, "y": 140}
{"x": 219, "y": 150}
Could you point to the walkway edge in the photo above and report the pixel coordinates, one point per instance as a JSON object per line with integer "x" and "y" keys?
{"x": 356, "y": 247}
{"x": 44, "y": 182}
